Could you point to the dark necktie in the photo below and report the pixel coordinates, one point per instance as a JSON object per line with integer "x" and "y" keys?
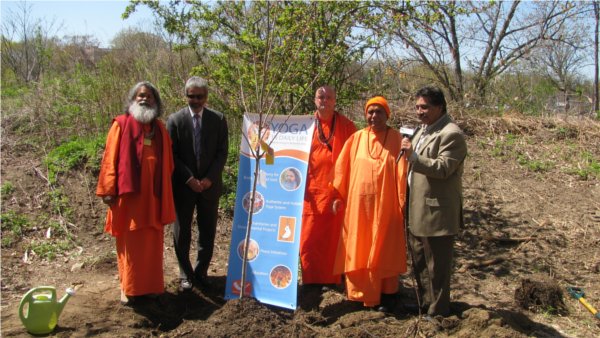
{"x": 197, "y": 135}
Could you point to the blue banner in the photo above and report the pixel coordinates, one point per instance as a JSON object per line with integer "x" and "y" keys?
{"x": 272, "y": 268}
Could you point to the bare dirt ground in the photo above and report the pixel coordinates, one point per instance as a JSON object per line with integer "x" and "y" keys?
{"x": 525, "y": 220}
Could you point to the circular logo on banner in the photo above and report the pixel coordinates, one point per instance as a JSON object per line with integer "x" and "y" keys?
{"x": 253, "y": 250}
{"x": 281, "y": 276}
{"x": 290, "y": 179}
{"x": 259, "y": 202}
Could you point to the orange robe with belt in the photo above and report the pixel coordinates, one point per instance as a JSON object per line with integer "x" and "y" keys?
{"x": 372, "y": 252}
{"x": 137, "y": 219}
{"x": 320, "y": 228}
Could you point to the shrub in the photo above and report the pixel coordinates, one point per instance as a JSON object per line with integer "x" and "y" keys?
{"x": 587, "y": 168}
{"x": 59, "y": 202}
{"x": 13, "y": 227}
{"x": 7, "y": 189}
{"x": 48, "y": 248}
{"x": 533, "y": 164}
{"x": 74, "y": 154}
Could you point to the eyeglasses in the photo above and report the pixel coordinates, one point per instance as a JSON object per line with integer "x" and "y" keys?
{"x": 422, "y": 106}
{"x": 197, "y": 97}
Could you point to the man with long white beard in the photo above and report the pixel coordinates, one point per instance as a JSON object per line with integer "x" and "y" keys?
{"x": 135, "y": 182}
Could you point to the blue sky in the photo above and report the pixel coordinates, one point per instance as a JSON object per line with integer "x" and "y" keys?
{"x": 98, "y": 18}
{"x": 101, "y": 19}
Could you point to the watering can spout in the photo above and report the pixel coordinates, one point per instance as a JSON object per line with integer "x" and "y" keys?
{"x": 63, "y": 301}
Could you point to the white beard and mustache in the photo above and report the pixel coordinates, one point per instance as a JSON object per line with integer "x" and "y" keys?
{"x": 143, "y": 113}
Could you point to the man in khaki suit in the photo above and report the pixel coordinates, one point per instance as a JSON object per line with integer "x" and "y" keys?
{"x": 435, "y": 197}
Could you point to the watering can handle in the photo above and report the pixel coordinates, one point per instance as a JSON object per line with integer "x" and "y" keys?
{"x": 27, "y": 298}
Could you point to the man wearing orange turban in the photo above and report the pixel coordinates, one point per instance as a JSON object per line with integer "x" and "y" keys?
{"x": 371, "y": 186}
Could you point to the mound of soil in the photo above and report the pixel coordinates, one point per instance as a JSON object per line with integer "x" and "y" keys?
{"x": 529, "y": 209}
{"x": 541, "y": 294}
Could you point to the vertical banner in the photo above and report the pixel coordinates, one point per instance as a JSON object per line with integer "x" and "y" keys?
{"x": 272, "y": 270}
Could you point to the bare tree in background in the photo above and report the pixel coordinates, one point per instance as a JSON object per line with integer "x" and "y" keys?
{"x": 26, "y": 43}
{"x": 511, "y": 33}
{"x": 561, "y": 60}
{"x": 430, "y": 33}
{"x": 77, "y": 49}
{"x": 489, "y": 36}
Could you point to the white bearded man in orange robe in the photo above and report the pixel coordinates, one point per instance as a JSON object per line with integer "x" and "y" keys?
{"x": 135, "y": 182}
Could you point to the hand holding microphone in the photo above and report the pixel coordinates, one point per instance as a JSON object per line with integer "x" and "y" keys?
{"x": 406, "y": 146}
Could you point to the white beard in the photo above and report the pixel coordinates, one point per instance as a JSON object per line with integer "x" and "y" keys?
{"x": 143, "y": 113}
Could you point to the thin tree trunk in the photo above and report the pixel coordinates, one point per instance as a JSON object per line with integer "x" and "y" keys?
{"x": 596, "y": 93}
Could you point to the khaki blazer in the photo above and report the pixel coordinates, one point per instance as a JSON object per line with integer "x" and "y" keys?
{"x": 435, "y": 199}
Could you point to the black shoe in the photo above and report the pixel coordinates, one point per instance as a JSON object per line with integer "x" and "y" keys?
{"x": 383, "y": 308}
{"x": 309, "y": 296}
{"x": 185, "y": 285}
{"x": 388, "y": 303}
{"x": 414, "y": 308}
{"x": 203, "y": 283}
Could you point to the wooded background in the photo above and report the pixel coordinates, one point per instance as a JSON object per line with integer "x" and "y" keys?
{"x": 490, "y": 57}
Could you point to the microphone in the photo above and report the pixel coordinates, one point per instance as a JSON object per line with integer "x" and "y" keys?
{"x": 406, "y": 132}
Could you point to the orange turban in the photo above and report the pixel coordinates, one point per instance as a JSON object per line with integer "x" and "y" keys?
{"x": 380, "y": 100}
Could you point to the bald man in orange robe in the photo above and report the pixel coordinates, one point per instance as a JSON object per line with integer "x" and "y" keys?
{"x": 371, "y": 186}
{"x": 135, "y": 182}
{"x": 320, "y": 227}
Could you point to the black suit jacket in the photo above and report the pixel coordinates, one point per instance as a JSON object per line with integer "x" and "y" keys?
{"x": 214, "y": 151}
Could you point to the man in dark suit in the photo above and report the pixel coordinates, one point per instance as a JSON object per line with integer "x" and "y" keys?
{"x": 200, "y": 145}
{"x": 435, "y": 197}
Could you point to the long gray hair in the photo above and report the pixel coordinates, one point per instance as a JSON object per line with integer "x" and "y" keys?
{"x": 133, "y": 92}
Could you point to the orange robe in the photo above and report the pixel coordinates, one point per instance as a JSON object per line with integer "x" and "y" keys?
{"x": 137, "y": 219}
{"x": 320, "y": 228}
{"x": 372, "y": 251}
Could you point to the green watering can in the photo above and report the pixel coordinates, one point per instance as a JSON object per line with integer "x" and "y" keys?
{"x": 43, "y": 309}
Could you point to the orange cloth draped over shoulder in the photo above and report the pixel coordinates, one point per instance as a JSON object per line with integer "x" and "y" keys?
{"x": 137, "y": 219}
{"x": 320, "y": 227}
{"x": 372, "y": 184}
